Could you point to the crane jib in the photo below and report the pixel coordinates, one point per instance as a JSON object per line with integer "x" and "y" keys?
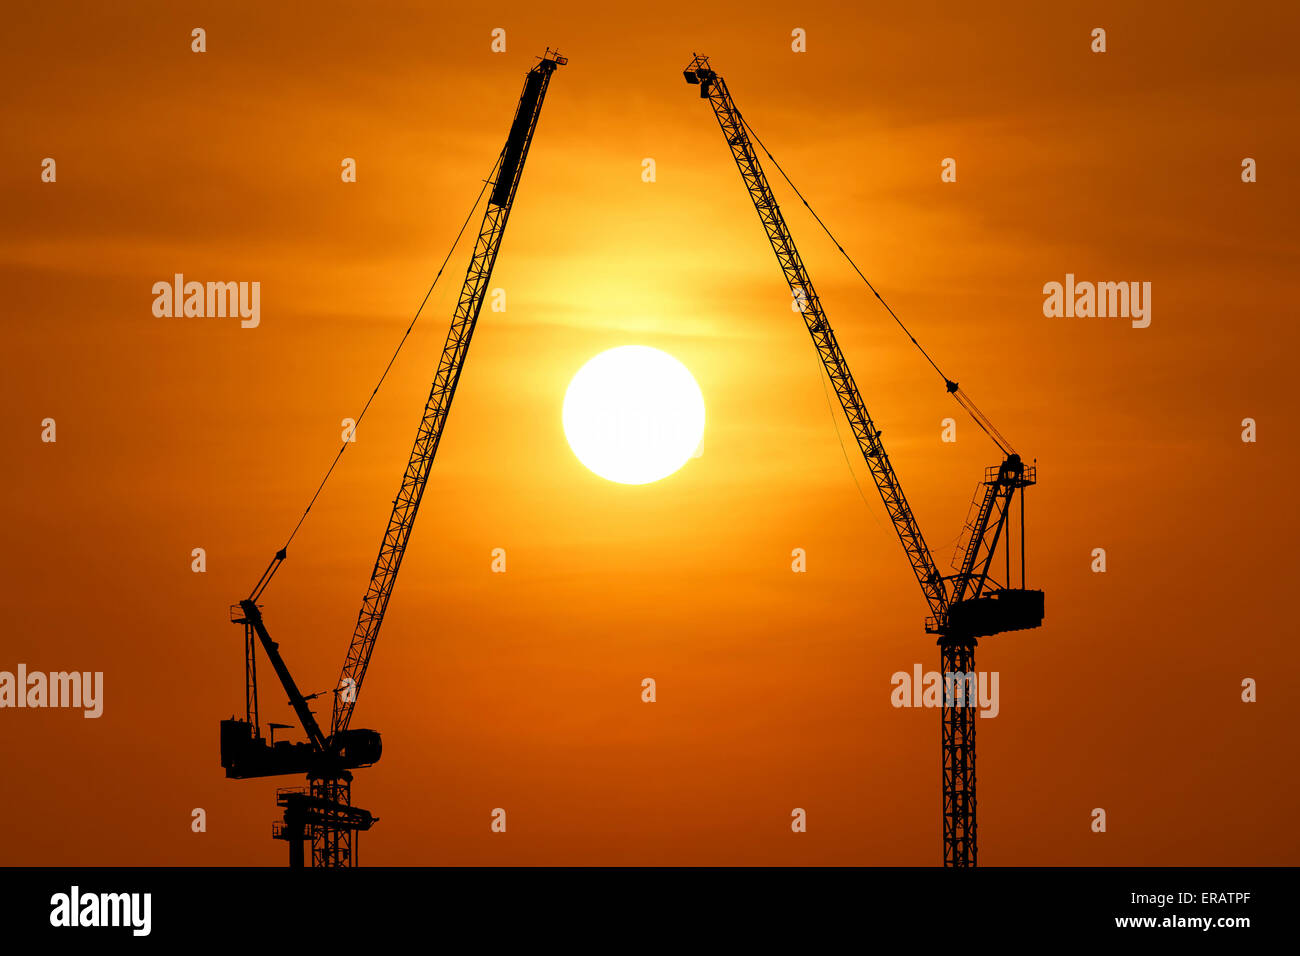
{"x": 714, "y": 88}
{"x": 1009, "y": 611}
{"x": 519, "y": 132}
{"x": 968, "y": 611}
{"x": 414, "y": 478}
{"x": 322, "y": 814}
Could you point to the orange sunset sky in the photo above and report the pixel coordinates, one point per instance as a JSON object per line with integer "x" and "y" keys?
{"x": 522, "y": 690}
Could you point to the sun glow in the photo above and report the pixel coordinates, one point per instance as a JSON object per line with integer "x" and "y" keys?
{"x": 633, "y": 414}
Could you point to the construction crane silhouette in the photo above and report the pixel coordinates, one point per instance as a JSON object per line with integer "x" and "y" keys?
{"x": 963, "y": 606}
{"x": 322, "y": 812}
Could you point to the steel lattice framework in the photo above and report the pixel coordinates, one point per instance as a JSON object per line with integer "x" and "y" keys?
{"x": 323, "y": 813}
{"x": 963, "y": 591}
{"x": 957, "y": 665}
{"x": 823, "y": 336}
{"x": 407, "y": 503}
{"x": 332, "y": 835}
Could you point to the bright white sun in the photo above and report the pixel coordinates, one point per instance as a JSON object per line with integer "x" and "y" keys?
{"x": 633, "y": 414}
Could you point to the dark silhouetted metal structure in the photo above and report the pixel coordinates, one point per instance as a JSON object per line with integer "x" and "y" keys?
{"x": 323, "y": 811}
{"x": 964, "y": 606}
{"x": 402, "y": 519}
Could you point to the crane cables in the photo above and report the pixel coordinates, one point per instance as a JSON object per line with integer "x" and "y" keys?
{"x": 953, "y": 388}
{"x": 282, "y": 553}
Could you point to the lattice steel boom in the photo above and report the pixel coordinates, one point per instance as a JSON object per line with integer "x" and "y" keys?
{"x": 414, "y": 479}
{"x": 322, "y": 814}
{"x": 960, "y": 610}
{"x": 714, "y": 88}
